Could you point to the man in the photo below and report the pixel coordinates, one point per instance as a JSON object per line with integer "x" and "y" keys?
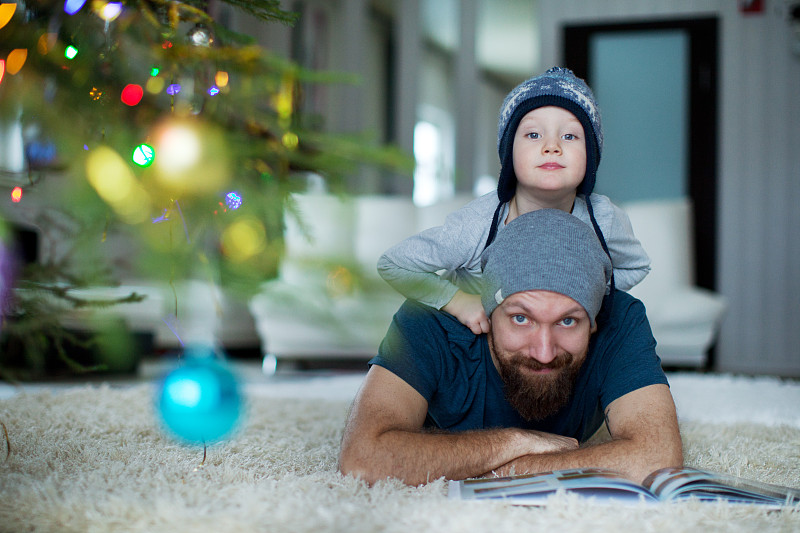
{"x": 521, "y": 398}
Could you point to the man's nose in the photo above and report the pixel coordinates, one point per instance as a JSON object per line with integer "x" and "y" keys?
{"x": 541, "y": 345}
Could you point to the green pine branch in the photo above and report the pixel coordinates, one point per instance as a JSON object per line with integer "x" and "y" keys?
{"x": 257, "y": 123}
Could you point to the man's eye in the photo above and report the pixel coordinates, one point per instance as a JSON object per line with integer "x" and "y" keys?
{"x": 568, "y": 322}
{"x": 519, "y": 319}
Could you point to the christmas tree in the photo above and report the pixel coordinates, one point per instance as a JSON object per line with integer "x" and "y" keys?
{"x": 153, "y": 123}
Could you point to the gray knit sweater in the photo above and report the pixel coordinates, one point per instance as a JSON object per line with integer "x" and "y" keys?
{"x": 431, "y": 266}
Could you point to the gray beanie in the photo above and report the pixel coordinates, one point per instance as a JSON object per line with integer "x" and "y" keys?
{"x": 557, "y": 87}
{"x": 548, "y": 250}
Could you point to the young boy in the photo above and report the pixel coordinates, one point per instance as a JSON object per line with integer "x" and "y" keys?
{"x": 549, "y": 138}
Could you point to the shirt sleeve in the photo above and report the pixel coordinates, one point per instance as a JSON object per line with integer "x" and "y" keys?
{"x": 421, "y": 267}
{"x": 629, "y": 360}
{"x": 412, "y": 349}
{"x": 631, "y": 262}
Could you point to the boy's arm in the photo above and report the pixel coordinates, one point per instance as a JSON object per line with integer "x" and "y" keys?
{"x": 411, "y": 266}
{"x": 384, "y": 437}
{"x": 630, "y": 260}
{"x": 411, "y": 281}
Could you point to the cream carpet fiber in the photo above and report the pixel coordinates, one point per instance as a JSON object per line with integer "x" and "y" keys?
{"x": 92, "y": 458}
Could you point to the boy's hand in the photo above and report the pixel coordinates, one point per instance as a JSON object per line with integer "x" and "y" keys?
{"x": 468, "y": 309}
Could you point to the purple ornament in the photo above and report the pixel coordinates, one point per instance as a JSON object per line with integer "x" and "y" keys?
{"x": 6, "y": 278}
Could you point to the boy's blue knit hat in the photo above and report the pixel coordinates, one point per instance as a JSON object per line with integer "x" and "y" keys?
{"x": 556, "y": 87}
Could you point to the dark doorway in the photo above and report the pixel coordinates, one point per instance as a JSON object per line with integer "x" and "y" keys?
{"x": 701, "y": 123}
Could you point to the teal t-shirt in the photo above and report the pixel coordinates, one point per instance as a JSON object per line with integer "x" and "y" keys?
{"x": 453, "y": 370}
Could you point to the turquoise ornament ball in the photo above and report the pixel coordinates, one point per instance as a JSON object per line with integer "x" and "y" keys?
{"x": 199, "y": 402}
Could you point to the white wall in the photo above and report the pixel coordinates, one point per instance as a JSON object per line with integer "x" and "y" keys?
{"x": 758, "y": 267}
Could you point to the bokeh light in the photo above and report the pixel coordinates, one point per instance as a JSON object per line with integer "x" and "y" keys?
{"x": 70, "y": 52}
{"x": 143, "y": 155}
{"x": 290, "y": 140}
{"x": 6, "y": 12}
{"x": 109, "y": 175}
{"x": 73, "y": 6}
{"x": 192, "y": 157}
{"x": 132, "y": 94}
{"x": 107, "y": 11}
{"x": 179, "y": 146}
{"x": 155, "y": 84}
{"x": 2, "y": 69}
{"x": 233, "y": 201}
{"x": 243, "y": 239}
{"x": 173, "y": 89}
{"x": 200, "y": 35}
{"x": 213, "y": 90}
{"x": 340, "y": 282}
{"x": 16, "y": 60}
{"x": 221, "y": 78}
{"x": 200, "y": 402}
{"x": 40, "y": 153}
{"x": 46, "y": 42}
{"x": 115, "y": 183}
{"x": 16, "y": 194}
{"x": 284, "y": 101}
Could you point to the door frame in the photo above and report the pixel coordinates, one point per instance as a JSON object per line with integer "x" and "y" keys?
{"x": 703, "y": 101}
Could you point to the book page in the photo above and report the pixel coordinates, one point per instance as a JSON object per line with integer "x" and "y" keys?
{"x": 532, "y": 488}
{"x": 684, "y": 483}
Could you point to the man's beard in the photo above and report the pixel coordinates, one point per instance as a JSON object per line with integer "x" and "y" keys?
{"x": 537, "y": 396}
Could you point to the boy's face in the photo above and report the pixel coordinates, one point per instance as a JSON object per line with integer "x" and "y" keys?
{"x": 549, "y": 154}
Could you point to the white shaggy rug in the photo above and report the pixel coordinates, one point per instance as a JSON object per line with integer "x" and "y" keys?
{"x": 92, "y": 458}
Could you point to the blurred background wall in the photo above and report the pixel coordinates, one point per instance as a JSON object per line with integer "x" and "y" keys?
{"x": 758, "y": 173}
{"x": 430, "y": 76}
{"x": 437, "y": 70}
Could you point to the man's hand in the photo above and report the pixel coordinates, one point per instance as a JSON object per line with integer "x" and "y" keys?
{"x": 468, "y": 309}
{"x": 538, "y": 442}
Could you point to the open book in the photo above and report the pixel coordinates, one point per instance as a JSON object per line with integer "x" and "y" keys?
{"x": 667, "y": 484}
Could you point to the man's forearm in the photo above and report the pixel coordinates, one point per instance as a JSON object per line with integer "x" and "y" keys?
{"x": 418, "y": 457}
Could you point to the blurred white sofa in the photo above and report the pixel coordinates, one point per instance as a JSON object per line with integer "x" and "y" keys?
{"x": 685, "y": 318}
{"x": 328, "y": 300}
